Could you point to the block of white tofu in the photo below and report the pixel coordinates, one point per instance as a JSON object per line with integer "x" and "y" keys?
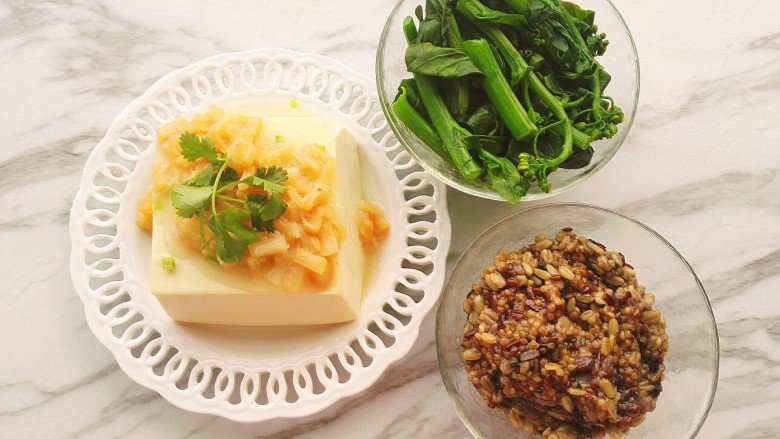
{"x": 198, "y": 290}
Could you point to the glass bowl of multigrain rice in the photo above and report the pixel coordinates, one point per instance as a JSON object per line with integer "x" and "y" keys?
{"x": 571, "y": 321}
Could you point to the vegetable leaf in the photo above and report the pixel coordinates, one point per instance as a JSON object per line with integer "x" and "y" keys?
{"x": 445, "y": 62}
{"x": 483, "y": 120}
{"x": 563, "y": 42}
{"x": 438, "y": 24}
{"x": 234, "y": 222}
{"x": 273, "y": 209}
{"x": 436, "y": 8}
{"x": 229, "y": 175}
{"x": 203, "y": 178}
{"x": 492, "y": 144}
{"x": 584, "y": 15}
{"x": 268, "y": 178}
{"x": 505, "y": 177}
{"x": 579, "y": 159}
{"x": 265, "y": 210}
{"x": 255, "y": 203}
{"x": 231, "y": 236}
{"x": 190, "y": 200}
{"x": 548, "y": 146}
{"x": 430, "y": 31}
{"x": 194, "y": 148}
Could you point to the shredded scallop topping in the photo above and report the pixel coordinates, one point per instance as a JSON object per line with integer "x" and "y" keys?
{"x": 303, "y": 248}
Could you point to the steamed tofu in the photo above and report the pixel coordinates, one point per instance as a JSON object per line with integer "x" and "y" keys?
{"x": 201, "y": 291}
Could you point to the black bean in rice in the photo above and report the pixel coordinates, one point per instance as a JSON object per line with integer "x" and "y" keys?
{"x": 563, "y": 338}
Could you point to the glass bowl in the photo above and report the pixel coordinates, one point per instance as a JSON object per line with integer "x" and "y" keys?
{"x": 692, "y": 365}
{"x": 620, "y": 60}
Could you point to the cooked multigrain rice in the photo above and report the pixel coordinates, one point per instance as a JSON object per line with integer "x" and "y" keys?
{"x": 562, "y": 338}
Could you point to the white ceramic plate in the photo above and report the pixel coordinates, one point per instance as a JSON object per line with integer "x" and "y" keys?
{"x": 254, "y": 374}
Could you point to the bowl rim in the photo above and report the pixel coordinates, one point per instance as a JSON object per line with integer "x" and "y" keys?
{"x": 445, "y": 376}
{"x": 491, "y": 194}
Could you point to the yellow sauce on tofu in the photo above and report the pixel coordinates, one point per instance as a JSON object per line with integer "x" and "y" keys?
{"x": 302, "y": 253}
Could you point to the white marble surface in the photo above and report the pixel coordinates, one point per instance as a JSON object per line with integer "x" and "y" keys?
{"x": 701, "y": 166}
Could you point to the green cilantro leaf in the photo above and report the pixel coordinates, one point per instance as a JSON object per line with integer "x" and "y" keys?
{"x": 268, "y": 178}
{"x": 203, "y": 178}
{"x": 194, "y": 148}
{"x": 229, "y": 175}
{"x": 265, "y": 210}
{"x": 255, "y": 203}
{"x": 272, "y": 173}
{"x": 189, "y": 200}
{"x": 207, "y": 195}
{"x": 273, "y": 208}
{"x": 231, "y": 236}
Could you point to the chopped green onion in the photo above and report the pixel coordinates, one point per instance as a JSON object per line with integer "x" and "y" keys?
{"x": 169, "y": 263}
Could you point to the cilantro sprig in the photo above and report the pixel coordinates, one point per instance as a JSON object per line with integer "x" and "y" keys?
{"x": 235, "y": 222}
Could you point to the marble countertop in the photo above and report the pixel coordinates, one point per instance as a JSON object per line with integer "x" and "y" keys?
{"x": 701, "y": 166}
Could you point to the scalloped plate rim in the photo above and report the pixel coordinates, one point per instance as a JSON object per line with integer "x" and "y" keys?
{"x": 213, "y": 406}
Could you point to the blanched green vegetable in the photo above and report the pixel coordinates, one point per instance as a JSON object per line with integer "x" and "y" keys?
{"x": 417, "y": 123}
{"x": 513, "y": 83}
{"x": 497, "y": 88}
{"x": 453, "y": 135}
{"x": 504, "y": 177}
{"x": 444, "y": 62}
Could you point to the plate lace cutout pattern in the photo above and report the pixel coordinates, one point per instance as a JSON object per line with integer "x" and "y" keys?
{"x": 102, "y": 264}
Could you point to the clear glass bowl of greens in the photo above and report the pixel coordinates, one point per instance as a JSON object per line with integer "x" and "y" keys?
{"x": 690, "y": 378}
{"x": 539, "y": 87}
